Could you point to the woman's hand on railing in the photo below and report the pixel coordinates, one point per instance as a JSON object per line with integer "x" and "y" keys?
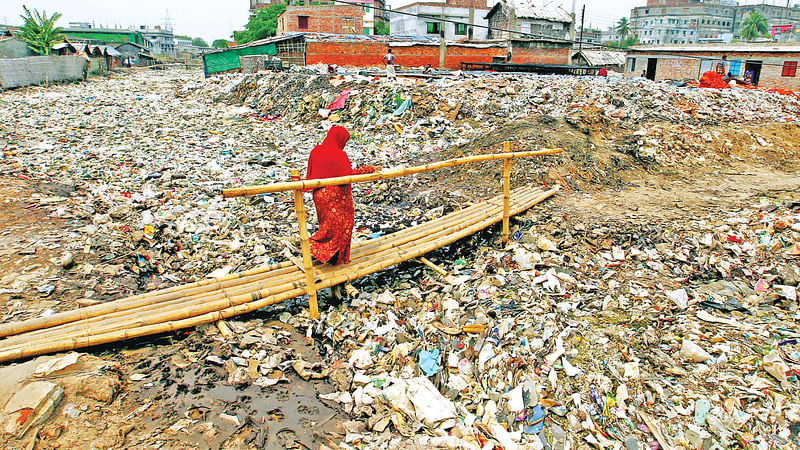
{"x": 366, "y": 169}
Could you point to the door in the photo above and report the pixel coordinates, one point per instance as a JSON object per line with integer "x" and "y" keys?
{"x": 652, "y": 63}
{"x": 755, "y": 67}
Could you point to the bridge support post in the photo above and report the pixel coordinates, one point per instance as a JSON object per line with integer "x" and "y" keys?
{"x": 308, "y": 263}
{"x": 506, "y": 191}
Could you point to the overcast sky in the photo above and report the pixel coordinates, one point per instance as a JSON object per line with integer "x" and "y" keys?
{"x": 217, "y": 19}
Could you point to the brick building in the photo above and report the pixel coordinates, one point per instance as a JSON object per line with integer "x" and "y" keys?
{"x": 773, "y": 66}
{"x": 426, "y": 19}
{"x": 336, "y": 19}
{"x": 524, "y": 17}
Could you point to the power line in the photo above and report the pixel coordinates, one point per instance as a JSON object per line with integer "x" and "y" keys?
{"x": 541, "y": 36}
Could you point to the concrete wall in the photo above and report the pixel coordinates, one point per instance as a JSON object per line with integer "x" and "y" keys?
{"x": 14, "y": 48}
{"x": 674, "y": 67}
{"x": 40, "y": 69}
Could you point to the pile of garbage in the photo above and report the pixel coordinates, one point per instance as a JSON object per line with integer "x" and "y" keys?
{"x": 364, "y": 102}
{"x": 605, "y": 334}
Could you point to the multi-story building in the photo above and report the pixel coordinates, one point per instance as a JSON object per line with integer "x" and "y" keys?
{"x": 337, "y": 19}
{"x": 425, "y": 19}
{"x": 782, "y": 21}
{"x": 682, "y": 21}
{"x": 163, "y": 40}
{"x": 157, "y": 40}
{"x": 592, "y": 37}
{"x": 368, "y": 17}
{"x": 609, "y": 35}
{"x": 665, "y": 22}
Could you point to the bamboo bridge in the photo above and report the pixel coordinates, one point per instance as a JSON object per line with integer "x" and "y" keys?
{"x": 211, "y": 300}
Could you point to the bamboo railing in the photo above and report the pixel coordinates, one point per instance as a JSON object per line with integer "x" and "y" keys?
{"x": 297, "y": 186}
{"x": 208, "y": 301}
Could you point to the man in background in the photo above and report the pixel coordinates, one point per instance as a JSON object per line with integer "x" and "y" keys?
{"x": 388, "y": 59}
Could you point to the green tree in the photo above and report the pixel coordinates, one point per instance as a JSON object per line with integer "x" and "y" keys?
{"x": 220, "y": 43}
{"x": 754, "y": 25}
{"x": 381, "y": 27}
{"x": 183, "y": 37}
{"x": 39, "y": 31}
{"x": 623, "y": 29}
{"x": 263, "y": 25}
{"x": 199, "y": 42}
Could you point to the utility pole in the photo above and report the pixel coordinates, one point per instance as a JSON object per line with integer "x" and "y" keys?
{"x": 442, "y": 44}
{"x": 580, "y": 42}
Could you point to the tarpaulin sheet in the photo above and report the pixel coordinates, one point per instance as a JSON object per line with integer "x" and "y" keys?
{"x": 229, "y": 59}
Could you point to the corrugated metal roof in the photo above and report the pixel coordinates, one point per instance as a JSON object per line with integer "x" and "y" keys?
{"x": 319, "y": 37}
{"x": 269, "y": 40}
{"x": 719, "y": 48}
{"x": 604, "y": 58}
{"x": 526, "y": 9}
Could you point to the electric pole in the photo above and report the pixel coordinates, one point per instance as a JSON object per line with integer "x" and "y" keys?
{"x": 580, "y": 42}
{"x": 442, "y": 44}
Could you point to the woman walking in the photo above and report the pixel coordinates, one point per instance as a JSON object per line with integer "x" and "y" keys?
{"x": 334, "y": 204}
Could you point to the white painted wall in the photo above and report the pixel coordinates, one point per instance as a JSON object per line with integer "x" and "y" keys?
{"x": 417, "y": 26}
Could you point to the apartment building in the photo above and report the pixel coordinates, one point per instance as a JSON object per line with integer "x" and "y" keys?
{"x": 666, "y": 22}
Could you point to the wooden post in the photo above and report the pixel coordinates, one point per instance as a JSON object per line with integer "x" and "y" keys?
{"x": 308, "y": 263}
{"x": 506, "y": 191}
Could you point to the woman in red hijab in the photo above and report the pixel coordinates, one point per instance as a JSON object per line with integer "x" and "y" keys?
{"x": 331, "y": 243}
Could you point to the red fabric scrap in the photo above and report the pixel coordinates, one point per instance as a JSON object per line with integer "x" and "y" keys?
{"x": 340, "y": 100}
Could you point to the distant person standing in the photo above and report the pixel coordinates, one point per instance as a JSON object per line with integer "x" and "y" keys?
{"x": 722, "y": 65}
{"x": 388, "y": 59}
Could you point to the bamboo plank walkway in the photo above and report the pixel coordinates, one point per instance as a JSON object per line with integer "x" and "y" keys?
{"x": 210, "y": 300}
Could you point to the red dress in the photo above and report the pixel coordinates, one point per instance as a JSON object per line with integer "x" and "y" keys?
{"x": 334, "y": 204}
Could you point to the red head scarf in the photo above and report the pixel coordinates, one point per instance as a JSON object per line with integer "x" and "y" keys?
{"x": 328, "y": 159}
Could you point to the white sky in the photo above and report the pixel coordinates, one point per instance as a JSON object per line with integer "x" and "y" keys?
{"x": 214, "y": 19}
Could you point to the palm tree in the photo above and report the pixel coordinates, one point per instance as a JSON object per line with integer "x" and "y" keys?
{"x": 40, "y": 31}
{"x": 754, "y": 25}
{"x": 623, "y": 28}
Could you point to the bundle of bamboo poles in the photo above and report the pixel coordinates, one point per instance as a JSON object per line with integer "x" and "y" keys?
{"x": 210, "y": 300}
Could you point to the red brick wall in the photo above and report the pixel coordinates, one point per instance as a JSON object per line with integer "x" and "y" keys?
{"x": 369, "y": 54}
{"x": 359, "y": 54}
{"x": 521, "y": 55}
{"x": 321, "y": 18}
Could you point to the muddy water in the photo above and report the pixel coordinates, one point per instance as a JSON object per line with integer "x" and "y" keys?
{"x": 287, "y": 415}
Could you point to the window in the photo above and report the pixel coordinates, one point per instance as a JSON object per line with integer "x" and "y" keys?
{"x": 461, "y": 29}
{"x": 434, "y": 27}
{"x": 348, "y": 25}
{"x": 736, "y": 68}
{"x": 631, "y": 64}
{"x": 302, "y": 22}
{"x": 366, "y": 9}
{"x": 365, "y": 31}
{"x": 789, "y": 69}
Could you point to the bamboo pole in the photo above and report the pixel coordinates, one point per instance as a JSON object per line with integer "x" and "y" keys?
{"x": 433, "y": 266}
{"x": 256, "y": 301}
{"x": 107, "y": 324}
{"x": 211, "y": 285}
{"x": 136, "y": 300}
{"x": 506, "y": 191}
{"x": 272, "y": 282}
{"x": 284, "y": 282}
{"x": 308, "y": 266}
{"x": 382, "y": 175}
